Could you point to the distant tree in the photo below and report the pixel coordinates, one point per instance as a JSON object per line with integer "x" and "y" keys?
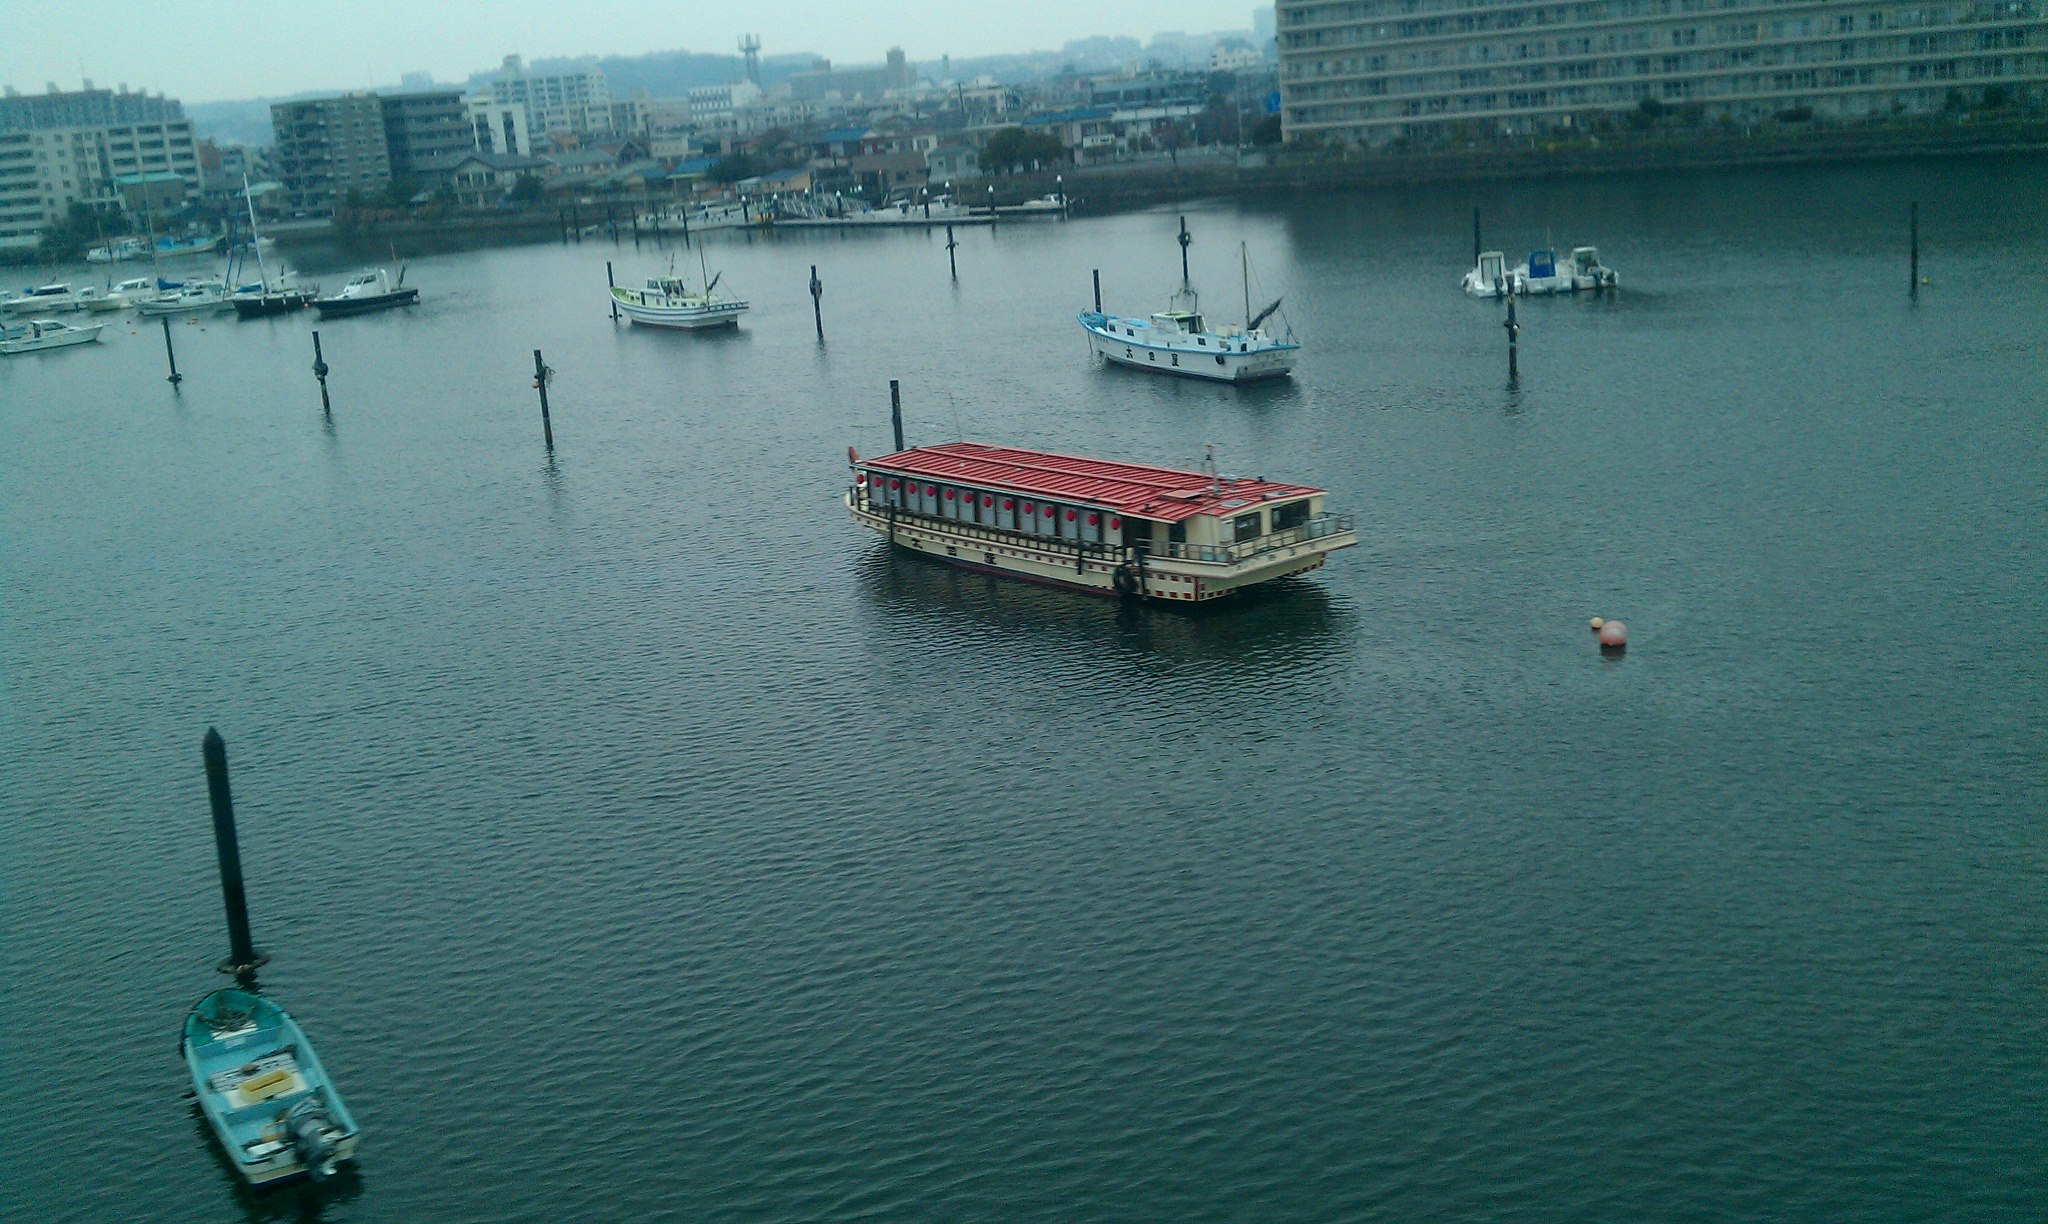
{"x": 1011, "y": 147}
{"x": 68, "y": 238}
{"x": 1267, "y": 131}
{"x": 526, "y": 190}
{"x": 399, "y": 191}
{"x": 732, "y": 168}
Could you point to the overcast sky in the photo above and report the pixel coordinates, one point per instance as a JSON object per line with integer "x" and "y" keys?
{"x": 206, "y": 50}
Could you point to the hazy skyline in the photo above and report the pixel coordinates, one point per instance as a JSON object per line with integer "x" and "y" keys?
{"x": 212, "y": 50}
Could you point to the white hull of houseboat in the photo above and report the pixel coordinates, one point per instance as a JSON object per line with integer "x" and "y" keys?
{"x": 1253, "y": 365}
{"x": 686, "y": 318}
{"x": 1095, "y": 571}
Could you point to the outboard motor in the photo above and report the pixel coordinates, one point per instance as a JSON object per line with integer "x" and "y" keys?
{"x": 307, "y": 1125}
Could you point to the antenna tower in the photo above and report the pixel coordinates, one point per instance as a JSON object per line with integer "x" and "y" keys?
{"x": 750, "y": 46}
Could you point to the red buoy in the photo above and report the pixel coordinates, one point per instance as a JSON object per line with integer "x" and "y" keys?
{"x": 1613, "y": 635}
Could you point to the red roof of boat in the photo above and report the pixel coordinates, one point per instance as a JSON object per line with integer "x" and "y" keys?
{"x": 1166, "y": 494}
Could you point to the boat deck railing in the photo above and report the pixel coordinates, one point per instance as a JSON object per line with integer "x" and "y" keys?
{"x": 1320, "y": 527}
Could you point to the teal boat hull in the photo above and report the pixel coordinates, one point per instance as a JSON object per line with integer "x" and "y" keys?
{"x": 263, "y": 1091}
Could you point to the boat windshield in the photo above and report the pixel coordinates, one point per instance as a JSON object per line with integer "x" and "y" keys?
{"x": 1180, "y": 320}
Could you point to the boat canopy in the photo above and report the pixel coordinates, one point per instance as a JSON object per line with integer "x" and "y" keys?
{"x": 1542, "y": 263}
{"x": 1163, "y": 494}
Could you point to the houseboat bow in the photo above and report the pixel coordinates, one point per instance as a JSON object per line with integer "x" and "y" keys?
{"x": 1094, "y": 525}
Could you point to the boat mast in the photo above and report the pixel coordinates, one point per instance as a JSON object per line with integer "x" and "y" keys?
{"x": 703, "y": 269}
{"x": 1244, "y": 259}
{"x": 255, "y": 239}
{"x": 1184, "y": 240}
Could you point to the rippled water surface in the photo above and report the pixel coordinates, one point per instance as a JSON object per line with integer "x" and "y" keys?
{"x": 639, "y": 839}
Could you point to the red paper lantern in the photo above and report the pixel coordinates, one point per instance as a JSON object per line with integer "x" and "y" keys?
{"x": 1029, "y": 508}
{"x": 1094, "y": 519}
{"x": 986, "y": 500}
{"x": 895, "y": 484}
{"x": 1046, "y": 512}
{"x": 1070, "y": 516}
{"x": 1007, "y": 503}
{"x": 929, "y": 490}
{"x": 949, "y": 495}
{"x": 1115, "y": 523}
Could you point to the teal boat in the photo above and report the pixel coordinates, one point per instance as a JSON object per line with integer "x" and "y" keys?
{"x": 263, "y": 1089}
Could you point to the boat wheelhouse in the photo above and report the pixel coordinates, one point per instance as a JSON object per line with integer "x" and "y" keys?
{"x": 1542, "y": 273}
{"x": 1094, "y": 525}
{"x": 1587, "y": 272}
{"x": 1490, "y": 276}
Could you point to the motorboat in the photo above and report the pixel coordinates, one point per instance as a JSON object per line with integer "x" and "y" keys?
{"x": 190, "y": 297}
{"x": 263, "y": 1090}
{"x": 55, "y": 298}
{"x": 1587, "y": 272}
{"x": 40, "y": 334}
{"x": 1177, "y": 340}
{"x": 1490, "y": 277}
{"x": 1542, "y": 274}
{"x": 367, "y": 291}
{"x": 122, "y": 296}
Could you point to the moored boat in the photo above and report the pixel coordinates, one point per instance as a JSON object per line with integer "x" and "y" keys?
{"x": 1542, "y": 274}
{"x": 263, "y": 1090}
{"x": 40, "y": 334}
{"x": 1176, "y": 341}
{"x": 191, "y": 297}
{"x": 119, "y": 250}
{"x": 268, "y": 297}
{"x": 366, "y": 291}
{"x": 1587, "y": 272}
{"x": 1490, "y": 277}
{"x": 667, "y": 301}
{"x": 123, "y": 295}
{"x": 1094, "y": 525}
{"x": 48, "y": 299}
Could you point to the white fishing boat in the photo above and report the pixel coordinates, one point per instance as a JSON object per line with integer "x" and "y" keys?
{"x": 191, "y": 297}
{"x": 1177, "y": 341}
{"x": 42, "y": 300}
{"x": 368, "y": 291}
{"x": 42, "y": 334}
{"x": 1588, "y": 273}
{"x": 1094, "y": 525}
{"x": 667, "y": 301}
{"x": 1491, "y": 277}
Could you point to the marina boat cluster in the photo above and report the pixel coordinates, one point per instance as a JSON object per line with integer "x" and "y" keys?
{"x": 1541, "y": 273}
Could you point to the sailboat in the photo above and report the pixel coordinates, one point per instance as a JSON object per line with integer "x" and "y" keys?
{"x": 267, "y": 298}
{"x": 666, "y": 301}
{"x": 1175, "y": 341}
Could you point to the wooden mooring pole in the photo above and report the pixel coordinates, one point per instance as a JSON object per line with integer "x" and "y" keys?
{"x": 243, "y": 958}
{"x": 1514, "y": 335}
{"x": 541, "y": 375}
{"x": 896, "y": 411}
{"x": 320, "y": 373}
{"x": 1913, "y": 275}
{"x": 1097, "y": 272}
{"x": 952, "y": 261}
{"x": 610, "y": 284}
{"x": 817, "y": 311}
{"x": 170, "y": 353}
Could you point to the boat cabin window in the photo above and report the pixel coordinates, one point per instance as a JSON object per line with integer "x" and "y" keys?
{"x": 1246, "y": 526}
{"x": 1293, "y": 514}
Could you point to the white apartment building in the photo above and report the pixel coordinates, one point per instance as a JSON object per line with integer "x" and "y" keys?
{"x": 554, "y": 101}
{"x": 499, "y": 127}
{"x": 1371, "y": 71}
{"x": 713, "y": 105}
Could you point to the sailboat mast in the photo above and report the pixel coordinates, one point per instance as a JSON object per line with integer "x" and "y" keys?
{"x": 255, "y": 239}
{"x": 703, "y": 270}
{"x": 1244, "y": 259}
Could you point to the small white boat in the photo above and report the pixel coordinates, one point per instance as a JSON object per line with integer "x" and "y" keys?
{"x": 1175, "y": 340}
{"x": 1491, "y": 277}
{"x": 1587, "y": 272}
{"x": 667, "y": 301}
{"x": 43, "y": 334}
{"x": 122, "y": 296}
{"x": 192, "y": 297}
{"x": 43, "y": 299}
{"x": 1542, "y": 274}
{"x": 1048, "y": 205}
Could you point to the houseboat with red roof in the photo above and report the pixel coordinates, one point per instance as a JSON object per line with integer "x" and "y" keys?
{"x": 1094, "y": 525}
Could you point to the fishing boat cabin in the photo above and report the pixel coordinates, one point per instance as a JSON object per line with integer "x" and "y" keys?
{"x": 1094, "y": 525}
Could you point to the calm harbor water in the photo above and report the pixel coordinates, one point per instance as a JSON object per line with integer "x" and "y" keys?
{"x": 638, "y": 839}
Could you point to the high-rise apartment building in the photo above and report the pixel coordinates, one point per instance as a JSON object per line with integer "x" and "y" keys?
{"x": 1371, "y": 71}
{"x": 326, "y": 147}
{"x": 62, "y": 148}
{"x": 425, "y": 129}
